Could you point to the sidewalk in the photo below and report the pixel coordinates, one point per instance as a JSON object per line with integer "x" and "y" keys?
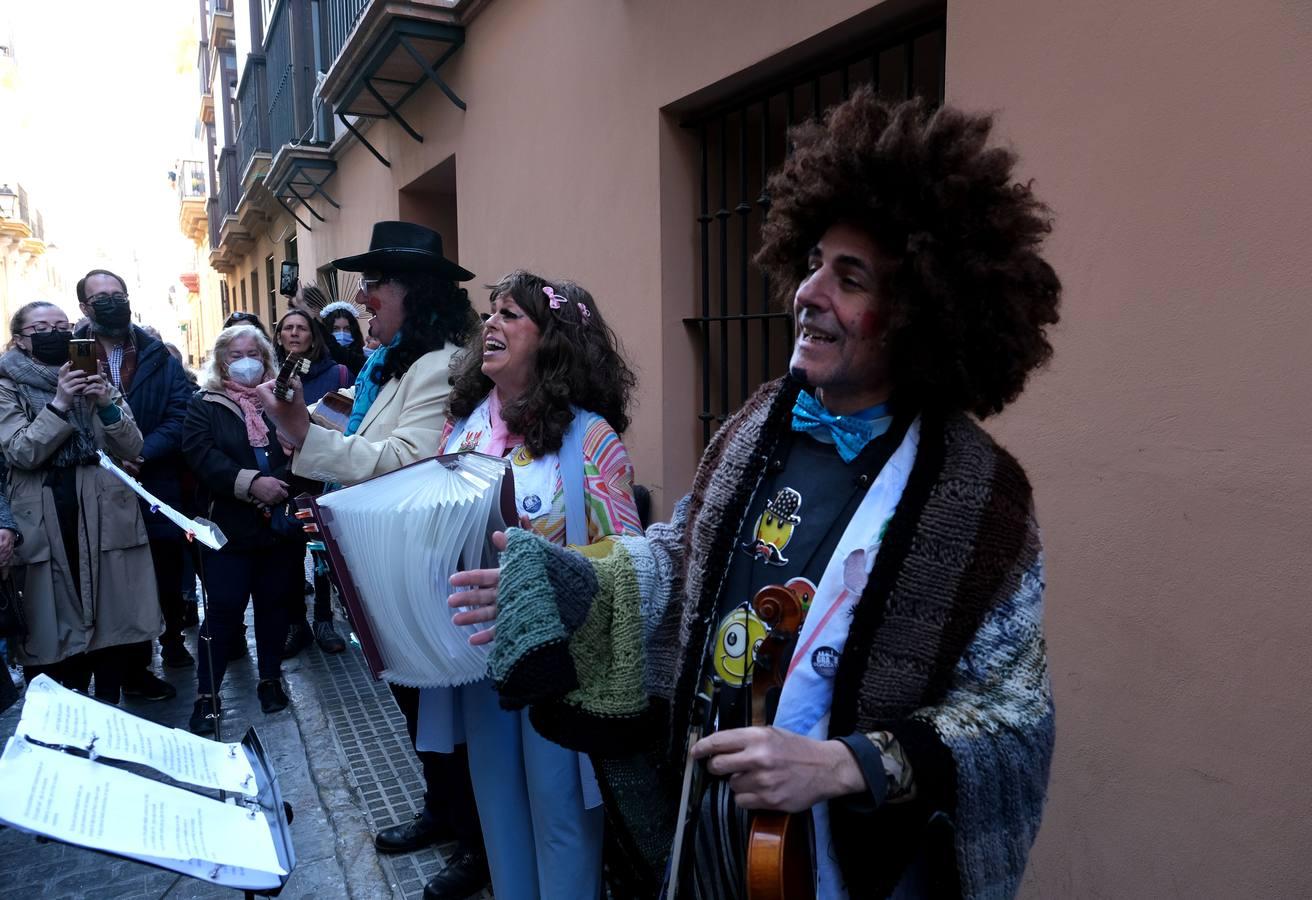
{"x": 344, "y": 764}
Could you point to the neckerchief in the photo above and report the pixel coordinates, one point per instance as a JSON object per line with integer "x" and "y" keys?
{"x": 366, "y": 389}
{"x": 849, "y": 434}
{"x": 252, "y": 411}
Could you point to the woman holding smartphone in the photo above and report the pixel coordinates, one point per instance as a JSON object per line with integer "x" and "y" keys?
{"x": 83, "y": 565}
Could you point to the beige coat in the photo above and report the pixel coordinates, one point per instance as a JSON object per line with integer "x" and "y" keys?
{"x": 403, "y": 425}
{"x": 118, "y": 604}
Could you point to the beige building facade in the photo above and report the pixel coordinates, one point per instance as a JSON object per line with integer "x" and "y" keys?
{"x": 623, "y": 144}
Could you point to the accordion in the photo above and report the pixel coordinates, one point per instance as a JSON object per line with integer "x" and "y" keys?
{"x": 392, "y": 544}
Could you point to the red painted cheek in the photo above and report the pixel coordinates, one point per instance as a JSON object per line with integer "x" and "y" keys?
{"x": 871, "y": 325}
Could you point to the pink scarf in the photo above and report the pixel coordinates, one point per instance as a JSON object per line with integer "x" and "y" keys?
{"x": 256, "y": 431}
{"x": 501, "y": 440}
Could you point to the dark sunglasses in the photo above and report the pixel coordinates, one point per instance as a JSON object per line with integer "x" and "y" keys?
{"x": 241, "y": 317}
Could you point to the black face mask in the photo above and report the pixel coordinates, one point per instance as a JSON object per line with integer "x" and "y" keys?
{"x": 51, "y": 348}
{"x": 112, "y": 317}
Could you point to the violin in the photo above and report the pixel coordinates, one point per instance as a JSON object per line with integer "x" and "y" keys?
{"x": 778, "y": 844}
{"x": 294, "y": 366}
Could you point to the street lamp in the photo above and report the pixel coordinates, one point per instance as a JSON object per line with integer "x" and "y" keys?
{"x": 8, "y": 202}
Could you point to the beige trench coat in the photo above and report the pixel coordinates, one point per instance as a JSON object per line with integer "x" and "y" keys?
{"x": 119, "y": 604}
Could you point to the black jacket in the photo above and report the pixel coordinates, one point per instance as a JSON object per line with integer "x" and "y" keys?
{"x": 217, "y": 449}
{"x": 158, "y": 397}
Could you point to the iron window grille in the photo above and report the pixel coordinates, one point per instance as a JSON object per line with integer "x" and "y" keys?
{"x": 744, "y": 337}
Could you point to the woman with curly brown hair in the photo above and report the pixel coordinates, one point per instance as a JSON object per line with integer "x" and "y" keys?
{"x": 909, "y": 717}
{"x": 547, "y": 387}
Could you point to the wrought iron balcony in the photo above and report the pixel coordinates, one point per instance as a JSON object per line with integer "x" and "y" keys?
{"x": 189, "y": 180}
{"x": 384, "y": 52}
{"x": 340, "y": 17}
{"x": 219, "y": 27}
{"x": 229, "y": 183}
{"x": 252, "y": 114}
{"x": 214, "y": 213}
{"x": 206, "y": 94}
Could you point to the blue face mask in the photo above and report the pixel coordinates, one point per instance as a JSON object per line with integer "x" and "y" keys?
{"x": 369, "y": 351}
{"x": 344, "y": 338}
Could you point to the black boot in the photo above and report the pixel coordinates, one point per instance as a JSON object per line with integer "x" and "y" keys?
{"x": 421, "y": 831}
{"x": 466, "y": 874}
{"x": 272, "y": 697}
{"x": 205, "y": 715}
{"x": 299, "y": 636}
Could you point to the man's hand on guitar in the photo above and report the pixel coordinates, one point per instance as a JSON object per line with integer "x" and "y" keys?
{"x": 290, "y": 417}
{"x": 773, "y": 769}
{"x": 479, "y": 603}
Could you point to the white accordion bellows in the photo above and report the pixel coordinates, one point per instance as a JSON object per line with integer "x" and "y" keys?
{"x": 394, "y": 542}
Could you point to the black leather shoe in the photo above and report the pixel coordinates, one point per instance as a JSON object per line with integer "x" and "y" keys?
{"x": 148, "y": 686}
{"x": 299, "y": 636}
{"x": 272, "y": 697}
{"x": 419, "y": 832}
{"x": 465, "y": 875}
{"x": 204, "y": 716}
{"x": 175, "y": 656}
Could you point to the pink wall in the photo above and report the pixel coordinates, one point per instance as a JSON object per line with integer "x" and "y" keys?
{"x": 1170, "y": 443}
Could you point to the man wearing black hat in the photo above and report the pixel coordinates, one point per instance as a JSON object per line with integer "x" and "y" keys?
{"x": 421, "y": 317}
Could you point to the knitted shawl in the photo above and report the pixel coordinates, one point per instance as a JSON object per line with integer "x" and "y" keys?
{"x": 945, "y": 651}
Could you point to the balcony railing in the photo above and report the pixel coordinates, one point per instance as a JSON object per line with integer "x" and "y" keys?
{"x": 285, "y": 125}
{"x": 191, "y": 180}
{"x": 229, "y": 185}
{"x": 341, "y": 18}
{"x": 203, "y": 66}
{"x": 252, "y": 112}
{"x": 214, "y": 210}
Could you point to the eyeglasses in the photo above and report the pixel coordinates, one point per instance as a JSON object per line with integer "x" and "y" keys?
{"x": 43, "y": 328}
{"x": 116, "y": 297}
{"x": 368, "y": 285}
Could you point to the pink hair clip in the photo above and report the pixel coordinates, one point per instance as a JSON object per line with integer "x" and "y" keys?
{"x": 552, "y": 299}
{"x": 583, "y": 311}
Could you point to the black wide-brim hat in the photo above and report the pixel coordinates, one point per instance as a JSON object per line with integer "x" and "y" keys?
{"x": 404, "y": 247}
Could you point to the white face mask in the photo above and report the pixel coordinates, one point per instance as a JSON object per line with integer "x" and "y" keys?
{"x": 247, "y": 370}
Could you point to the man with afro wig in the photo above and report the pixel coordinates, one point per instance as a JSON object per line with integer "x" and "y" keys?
{"x": 914, "y": 727}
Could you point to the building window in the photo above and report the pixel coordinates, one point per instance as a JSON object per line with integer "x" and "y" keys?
{"x": 744, "y": 338}
{"x": 272, "y": 289}
{"x": 224, "y": 300}
{"x": 243, "y": 295}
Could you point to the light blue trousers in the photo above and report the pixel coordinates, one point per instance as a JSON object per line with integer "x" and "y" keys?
{"x": 542, "y": 842}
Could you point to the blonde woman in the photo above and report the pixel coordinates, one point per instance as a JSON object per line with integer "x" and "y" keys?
{"x": 244, "y": 485}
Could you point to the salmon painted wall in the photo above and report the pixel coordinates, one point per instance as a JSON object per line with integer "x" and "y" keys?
{"x": 1170, "y": 444}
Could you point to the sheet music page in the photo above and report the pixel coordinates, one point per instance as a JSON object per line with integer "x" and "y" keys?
{"x": 78, "y": 801}
{"x": 52, "y": 714}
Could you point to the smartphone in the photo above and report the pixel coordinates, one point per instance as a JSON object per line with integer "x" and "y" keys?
{"x": 287, "y": 280}
{"x": 82, "y": 354}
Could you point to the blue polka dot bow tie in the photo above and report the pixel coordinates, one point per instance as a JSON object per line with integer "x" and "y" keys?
{"x": 849, "y": 434}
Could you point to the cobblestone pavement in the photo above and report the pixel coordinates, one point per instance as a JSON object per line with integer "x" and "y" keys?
{"x": 344, "y": 763}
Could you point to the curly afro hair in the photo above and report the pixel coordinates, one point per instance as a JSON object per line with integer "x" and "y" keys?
{"x": 579, "y": 362}
{"x": 969, "y": 296}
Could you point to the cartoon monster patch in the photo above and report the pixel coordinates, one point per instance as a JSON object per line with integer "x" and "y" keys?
{"x": 741, "y": 632}
{"x": 774, "y": 528}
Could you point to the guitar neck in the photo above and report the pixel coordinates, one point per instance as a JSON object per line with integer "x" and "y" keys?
{"x": 294, "y": 366}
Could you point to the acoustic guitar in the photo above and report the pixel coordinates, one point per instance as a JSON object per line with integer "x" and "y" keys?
{"x": 294, "y": 366}
{"x": 778, "y": 844}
